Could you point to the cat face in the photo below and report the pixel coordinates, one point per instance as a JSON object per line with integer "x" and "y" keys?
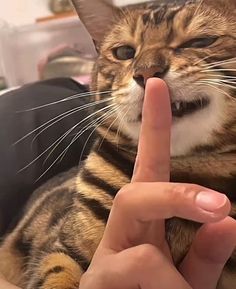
{"x": 192, "y": 48}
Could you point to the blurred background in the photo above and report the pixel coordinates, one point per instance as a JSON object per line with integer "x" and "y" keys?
{"x": 42, "y": 39}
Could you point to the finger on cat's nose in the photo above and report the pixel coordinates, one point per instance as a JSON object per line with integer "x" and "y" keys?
{"x": 153, "y": 158}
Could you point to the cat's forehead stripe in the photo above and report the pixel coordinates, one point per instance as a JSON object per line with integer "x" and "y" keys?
{"x": 159, "y": 13}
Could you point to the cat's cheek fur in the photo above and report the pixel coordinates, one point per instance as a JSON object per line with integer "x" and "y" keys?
{"x": 198, "y": 129}
{"x": 129, "y": 114}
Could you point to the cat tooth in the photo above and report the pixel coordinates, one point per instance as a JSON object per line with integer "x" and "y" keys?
{"x": 177, "y": 104}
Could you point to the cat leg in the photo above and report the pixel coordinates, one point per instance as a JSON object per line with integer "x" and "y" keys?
{"x": 56, "y": 271}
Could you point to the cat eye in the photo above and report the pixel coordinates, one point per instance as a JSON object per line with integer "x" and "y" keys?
{"x": 125, "y": 52}
{"x": 200, "y": 42}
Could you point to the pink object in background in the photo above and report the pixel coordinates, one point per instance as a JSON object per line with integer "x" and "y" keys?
{"x": 86, "y": 79}
{"x": 32, "y": 44}
{"x": 66, "y": 61}
{"x": 53, "y": 52}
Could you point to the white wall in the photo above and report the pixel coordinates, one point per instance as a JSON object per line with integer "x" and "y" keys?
{"x": 20, "y": 12}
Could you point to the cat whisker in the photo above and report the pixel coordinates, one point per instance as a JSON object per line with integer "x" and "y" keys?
{"x": 76, "y": 136}
{"x": 212, "y": 65}
{"x": 221, "y": 83}
{"x": 55, "y": 161}
{"x": 110, "y": 115}
{"x": 223, "y": 76}
{"x": 120, "y": 126}
{"x": 75, "y": 96}
{"x": 39, "y": 156}
{"x": 212, "y": 85}
{"x": 90, "y": 125}
{"x": 227, "y": 61}
{"x": 78, "y": 109}
{"x": 55, "y": 147}
{"x": 79, "y": 123}
{"x": 219, "y": 69}
{"x": 230, "y": 81}
{"x": 61, "y": 138}
{"x": 117, "y": 117}
{"x": 199, "y": 61}
{"x": 57, "y": 118}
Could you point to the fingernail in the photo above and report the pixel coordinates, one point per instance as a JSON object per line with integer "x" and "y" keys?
{"x": 210, "y": 201}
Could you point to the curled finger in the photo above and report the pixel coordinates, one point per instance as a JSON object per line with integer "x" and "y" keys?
{"x": 212, "y": 247}
{"x": 140, "y": 267}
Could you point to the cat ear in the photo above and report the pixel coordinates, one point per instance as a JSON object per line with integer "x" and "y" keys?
{"x": 97, "y": 16}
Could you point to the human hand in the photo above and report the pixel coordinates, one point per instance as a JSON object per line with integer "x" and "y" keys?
{"x": 6, "y": 285}
{"x": 133, "y": 252}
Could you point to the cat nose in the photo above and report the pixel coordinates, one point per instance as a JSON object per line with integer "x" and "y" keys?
{"x": 142, "y": 74}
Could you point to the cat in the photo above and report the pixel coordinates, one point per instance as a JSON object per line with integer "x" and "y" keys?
{"x": 192, "y": 46}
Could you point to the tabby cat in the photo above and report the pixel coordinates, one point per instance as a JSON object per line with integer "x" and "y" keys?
{"x": 192, "y": 46}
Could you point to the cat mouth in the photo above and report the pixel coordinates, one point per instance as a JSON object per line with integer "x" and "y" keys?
{"x": 182, "y": 108}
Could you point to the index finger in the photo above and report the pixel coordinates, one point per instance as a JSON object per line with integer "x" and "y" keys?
{"x": 153, "y": 157}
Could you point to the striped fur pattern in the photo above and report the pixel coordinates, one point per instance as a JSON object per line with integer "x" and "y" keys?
{"x": 63, "y": 222}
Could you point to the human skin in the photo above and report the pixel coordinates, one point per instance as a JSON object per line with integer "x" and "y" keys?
{"x": 133, "y": 252}
{"x": 6, "y": 285}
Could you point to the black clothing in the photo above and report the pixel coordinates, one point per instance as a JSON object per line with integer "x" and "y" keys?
{"x": 15, "y": 185}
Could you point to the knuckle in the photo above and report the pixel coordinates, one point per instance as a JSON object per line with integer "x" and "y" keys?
{"x": 95, "y": 276}
{"x": 179, "y": 190}
{"x": 147, "y": 255}
{"x": 185, "y": 190}
{"x": 122, "y": 197}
